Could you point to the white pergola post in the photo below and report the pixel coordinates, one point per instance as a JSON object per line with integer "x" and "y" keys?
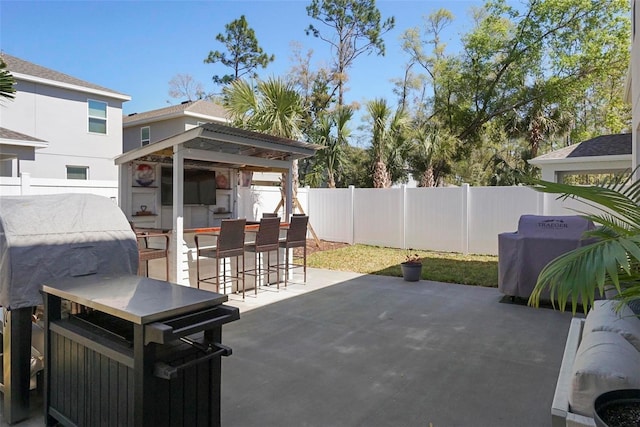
{"x": 177, "y": 275}
{"x": 289, "y": 193}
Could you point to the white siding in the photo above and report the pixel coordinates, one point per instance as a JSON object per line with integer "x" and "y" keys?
{"x": 60, "y": 117}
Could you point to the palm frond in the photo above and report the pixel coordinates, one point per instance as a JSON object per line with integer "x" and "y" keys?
{"x": 612, "y": 261}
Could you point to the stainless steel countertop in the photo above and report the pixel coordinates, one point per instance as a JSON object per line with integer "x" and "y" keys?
{"x": 137, "y": 299}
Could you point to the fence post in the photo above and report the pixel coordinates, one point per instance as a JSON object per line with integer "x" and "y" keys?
{"x": 25, "y": 183}
{"x": 541, "y": 203}
{"x": 403, "y": 226}
{"x": 352, "y": 192}
{"x": 465, "y": 219}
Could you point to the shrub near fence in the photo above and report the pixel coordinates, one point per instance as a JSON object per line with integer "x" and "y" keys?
{"x": 454, "y": 219}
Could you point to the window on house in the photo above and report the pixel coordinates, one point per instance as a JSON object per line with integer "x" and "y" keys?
{"x": 77, "y": 172}
{"x": 591, "y": 177}
{"x": 145, "y": 136}
{"x": 97, "y": 116}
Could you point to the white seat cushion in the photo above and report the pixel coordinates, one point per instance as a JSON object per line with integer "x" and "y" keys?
{"x": 605, "y": 361}
{"x": 603, "y": 317}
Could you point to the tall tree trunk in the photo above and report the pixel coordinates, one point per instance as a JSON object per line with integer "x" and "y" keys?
{"x": 331, "y": 181}
{"x": 380, "y": 175}
{"x": 428, "y": 178}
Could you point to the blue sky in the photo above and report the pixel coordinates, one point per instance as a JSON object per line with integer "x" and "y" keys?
{"x": 136, "y": 47}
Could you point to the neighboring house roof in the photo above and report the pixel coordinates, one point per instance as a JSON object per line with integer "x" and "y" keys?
{"x": 8, "y": 136}
{"x": 607, "y": 146}
{"x": 25, "y": 70}
{"x": 201, "y": 109}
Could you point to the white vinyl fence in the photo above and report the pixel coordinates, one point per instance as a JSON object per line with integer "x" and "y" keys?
{"x": 459, "y": 219}
{"x": 26, "y": 185}
{"x": 456, "y": 219}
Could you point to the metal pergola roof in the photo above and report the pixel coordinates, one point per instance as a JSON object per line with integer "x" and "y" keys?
{"x": 222, "y": 145}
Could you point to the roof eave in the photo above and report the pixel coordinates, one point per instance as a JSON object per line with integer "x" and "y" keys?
{"x": 77, "y": 88}
{"x": 583, "y": 159}
{"x": 169, "y": 116}
{"x": 207, "y": 117}
{"x": 23, "y": 143}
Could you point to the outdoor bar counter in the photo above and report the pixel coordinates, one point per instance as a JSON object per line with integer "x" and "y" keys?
{"x": 188, "y": 258}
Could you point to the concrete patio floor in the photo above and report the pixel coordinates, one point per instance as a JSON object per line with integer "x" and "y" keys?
{"x": 362, "y": 350}
{"x": 378, "y": 351}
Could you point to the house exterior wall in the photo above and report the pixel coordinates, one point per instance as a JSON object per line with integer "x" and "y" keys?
{"x": 159, "y": 130}
{"x": 635, "y": 81}
{"x": 60, "y": 117}
{"x": 609, "y": 164}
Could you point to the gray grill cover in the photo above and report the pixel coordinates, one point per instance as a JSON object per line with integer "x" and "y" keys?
{"x": 539, "y": 239}
{"x": 53, "y": 236}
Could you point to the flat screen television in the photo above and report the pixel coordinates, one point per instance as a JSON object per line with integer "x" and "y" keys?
{"x": 199, "y": 187}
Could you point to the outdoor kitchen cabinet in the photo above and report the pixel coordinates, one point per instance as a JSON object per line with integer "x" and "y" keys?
{"x": 133, "y": 352}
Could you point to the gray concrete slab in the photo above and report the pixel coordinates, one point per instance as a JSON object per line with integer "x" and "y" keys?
{"x": 359, "y": 350}
{"x": 378, "y": 351}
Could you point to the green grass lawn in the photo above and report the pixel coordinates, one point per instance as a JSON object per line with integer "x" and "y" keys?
{"x": 479, "y": 270}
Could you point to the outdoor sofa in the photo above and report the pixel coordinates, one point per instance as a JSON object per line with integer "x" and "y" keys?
{"x": 602, "y": 353}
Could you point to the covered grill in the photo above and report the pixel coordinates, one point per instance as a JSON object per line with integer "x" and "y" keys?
{"x": 119, "y": 349}
{"x": 539, "y": 239}
{"x": 140, "y": 352}
{"x": 43, "y": 238}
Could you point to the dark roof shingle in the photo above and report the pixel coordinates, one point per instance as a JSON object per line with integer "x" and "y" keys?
{"x": 17, "y": 136}
{"x": 17, "y": 65}
{"x": 603, "y": 145}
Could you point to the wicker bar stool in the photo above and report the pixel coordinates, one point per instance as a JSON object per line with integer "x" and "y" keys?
{"x": 146, "y": 253}
{"x": 267, "y": 239}
{"x": 296, "y": 238}
{"x": 229, "y": 244}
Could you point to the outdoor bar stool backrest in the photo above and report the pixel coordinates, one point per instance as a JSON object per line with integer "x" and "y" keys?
{"x": 268, "y": 235}
{"x": 297, "y": 232}
{"x": 146, "y": 254}
{"x": 229, "y": 243}
{"x": 231, "y": 238}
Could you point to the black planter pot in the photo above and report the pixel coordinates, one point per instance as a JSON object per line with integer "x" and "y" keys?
{"x": 411, "y": 271}
{"x": 617, "y": 408}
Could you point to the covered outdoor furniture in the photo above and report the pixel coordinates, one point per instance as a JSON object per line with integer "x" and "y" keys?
{"x": 296, "y": 238}
{"x": 229, "y": 244}
{"x": 266, "y": 241}
{"x": 539, "y": 239}
{"x": 43, "y": 238}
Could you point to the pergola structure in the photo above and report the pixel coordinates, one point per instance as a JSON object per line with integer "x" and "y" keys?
{"x": 216, "y": 145}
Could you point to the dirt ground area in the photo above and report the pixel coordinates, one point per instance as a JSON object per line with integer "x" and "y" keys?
{"x": 325, "y": 245}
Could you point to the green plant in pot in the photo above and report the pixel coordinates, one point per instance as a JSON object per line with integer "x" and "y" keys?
{"x": 411, "y": 267}
{"x": 611, "y": 263}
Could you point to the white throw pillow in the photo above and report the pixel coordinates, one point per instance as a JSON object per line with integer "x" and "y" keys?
{"x": 603, "y": 317}
{"x": 605, "y": 361}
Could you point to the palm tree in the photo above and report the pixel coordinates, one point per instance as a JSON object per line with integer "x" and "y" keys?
{"x": 432, "y": 150}
{"x": 613, "y": 261}
{"x": 272, "y": 107}
{"x": 387, "y": 139}
{"x": 7, "y": 81}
